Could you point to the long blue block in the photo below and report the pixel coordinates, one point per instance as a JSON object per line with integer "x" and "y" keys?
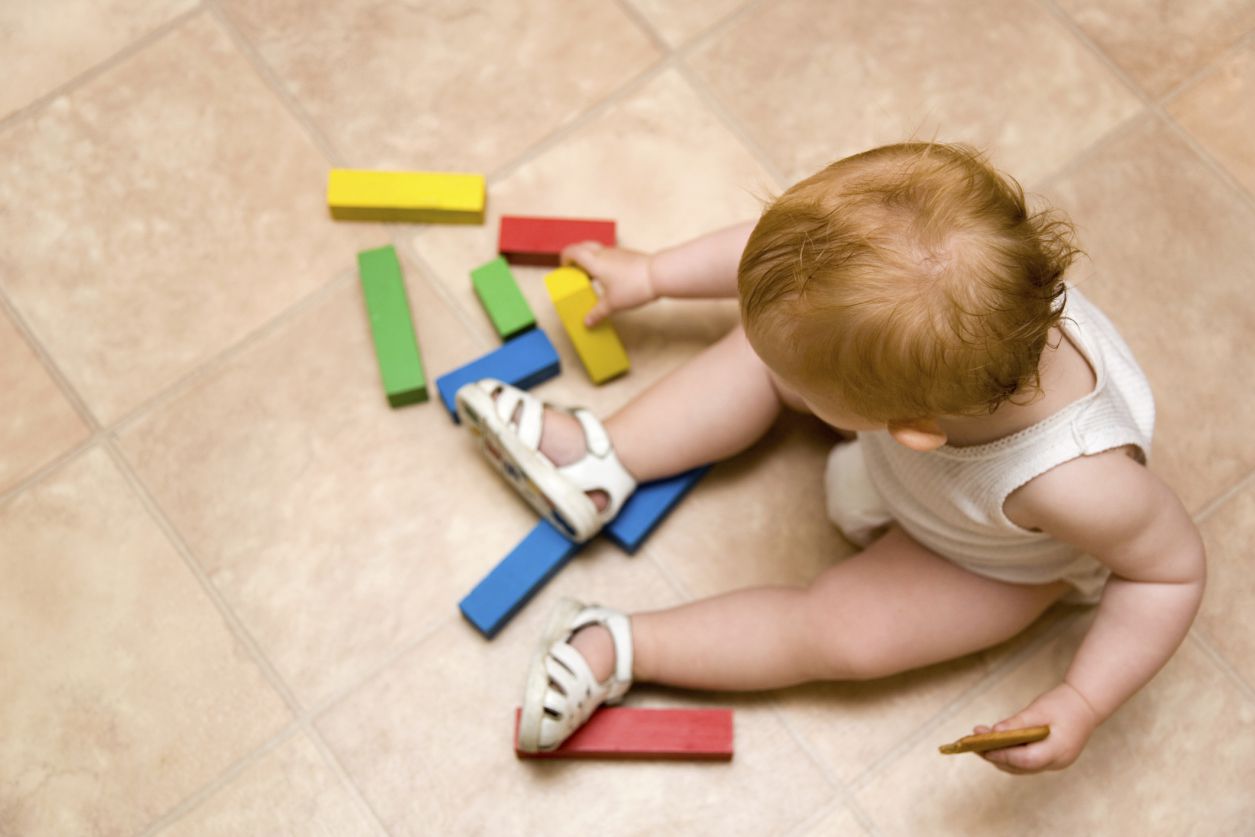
{"x": 517, "y": 578}
{"x": 648, "y": 505}
{"x": 523, "y": 362}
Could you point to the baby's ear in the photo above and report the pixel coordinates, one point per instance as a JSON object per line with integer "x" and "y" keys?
{"x": 922, "y": 435}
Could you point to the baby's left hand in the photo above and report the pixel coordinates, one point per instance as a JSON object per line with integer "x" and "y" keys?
{"x": 1071, "y": 721}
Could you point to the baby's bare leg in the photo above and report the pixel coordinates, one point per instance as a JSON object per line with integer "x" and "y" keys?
{"x": 713, "y": 406}
{"x": 896, "y": 606}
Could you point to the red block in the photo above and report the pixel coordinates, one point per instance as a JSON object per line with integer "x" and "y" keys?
{"x": 539, "y": 241}
{"x": 617, "y": 732}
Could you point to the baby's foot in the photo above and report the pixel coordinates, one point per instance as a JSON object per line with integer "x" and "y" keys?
{"x": 597, "y": 648}
{"x": 562, "y": 441}
{"x": 584, "y": 660}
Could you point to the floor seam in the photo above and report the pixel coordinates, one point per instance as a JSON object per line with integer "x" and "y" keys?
{"x": 270, "y": 79}
{"x": 1221, "y": 662}
{"x": 139, "y": 44}
{"x": 1216, "y": 503}
{"x": 220, "y": 359}
{"x": 232, "y": 772}
{"x": 1156, "y": 106}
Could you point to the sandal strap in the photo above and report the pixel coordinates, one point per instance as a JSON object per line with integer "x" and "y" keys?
{"x": 530, "y": 416}
{"x": 620, "y": 628}
{"x": 600, "y": 469}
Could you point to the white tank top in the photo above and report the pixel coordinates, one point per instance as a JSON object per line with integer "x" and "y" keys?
{"x": 951, "y": 499}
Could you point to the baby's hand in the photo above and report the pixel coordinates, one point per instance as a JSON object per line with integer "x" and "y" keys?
{"x": 623, "y": 277}
{"x": 1071, "y": 721}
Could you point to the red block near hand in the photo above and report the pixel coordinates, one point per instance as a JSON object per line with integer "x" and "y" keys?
{"x": 539, "y": 241}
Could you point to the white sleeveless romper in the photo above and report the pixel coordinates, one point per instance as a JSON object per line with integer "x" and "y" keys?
{"x": 951, "y": 499}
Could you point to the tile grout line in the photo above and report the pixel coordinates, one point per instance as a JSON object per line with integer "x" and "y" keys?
{"x": 142, "y": 42}
{"x": 1211, "y": 506}
{"x": 230, "y": 774}
{"x": 300, "y": 718}
{"x": 270, "y": 79}
{"x": 218, "y": 360}
{"x": 176, "y": 538}
{"x": 830, "y": 806}
{"x": 1221, "y": 58}
{"x": 1221, "y": 662}
{"x": 1154, "y": 106}
{"x": 997, "y": 675}
{"x": 643, "y": 23}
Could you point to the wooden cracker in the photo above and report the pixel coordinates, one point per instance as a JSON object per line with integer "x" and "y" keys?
{"x": 995, "y": 740}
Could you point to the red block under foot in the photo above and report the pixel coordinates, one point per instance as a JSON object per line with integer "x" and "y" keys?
{"x": 539, "y": 241}
{"x": 627, "y": 733}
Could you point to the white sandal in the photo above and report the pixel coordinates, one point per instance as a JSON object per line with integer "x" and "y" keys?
{"x": 508, "y": 421}
{"x": 561, "y": 692}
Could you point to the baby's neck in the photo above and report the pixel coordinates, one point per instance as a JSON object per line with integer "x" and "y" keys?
{"x": 1066, "y": 376}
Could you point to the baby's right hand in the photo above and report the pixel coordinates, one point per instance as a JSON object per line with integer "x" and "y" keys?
{"x": 622, "y": 274}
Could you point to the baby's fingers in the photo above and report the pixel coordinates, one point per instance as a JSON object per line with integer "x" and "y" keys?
{"x": 583, "y": 254}
{"x": 598, "y": 312}
{"x": 1022, "y": 758}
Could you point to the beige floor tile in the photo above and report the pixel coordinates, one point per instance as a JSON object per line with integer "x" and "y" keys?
{"x": 429, "y": 740}
{"x": 1161, "y": 765}
{"x": 1162, "y": 44}
{"x": 170, "y": 207}
{"x": 1172, "y": 261}
{"x": 666, "y": 170}
{"x": 46, "y": 45}
{"x": 1217, "y": 111}
{"x": 337, "y": 527}
{"x": 125, "y": 691}
{"x": 1226, "y": 618}
{"x": 38, "y": 423}
{"x": 441, "y": 85}
{"x": 679, "y": 21}
{"x": 290, "y": 790}
{"x": 815, "y": 81}
{"x": 839, "y": 822}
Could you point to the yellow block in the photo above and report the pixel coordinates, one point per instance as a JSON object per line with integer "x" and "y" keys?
{"x": 415, "y": 196}
{"x": 599, "y": 348}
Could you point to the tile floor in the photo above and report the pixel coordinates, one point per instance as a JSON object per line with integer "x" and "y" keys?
{"x": 230, "y": 571}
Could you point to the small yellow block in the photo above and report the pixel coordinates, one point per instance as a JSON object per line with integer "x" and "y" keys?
{"x": 414, "y": 196}
{"x": 599, "y": 348}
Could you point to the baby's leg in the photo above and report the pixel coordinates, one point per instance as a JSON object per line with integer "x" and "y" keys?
{"x": 893, "y": 607}
{"x": 713, "y": 406}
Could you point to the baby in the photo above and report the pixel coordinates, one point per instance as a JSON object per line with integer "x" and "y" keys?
{"x": 1000, "y": 435}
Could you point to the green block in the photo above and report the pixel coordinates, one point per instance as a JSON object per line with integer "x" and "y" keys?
{"x": 387, "y": 306}
{"x": 502, "y": 299}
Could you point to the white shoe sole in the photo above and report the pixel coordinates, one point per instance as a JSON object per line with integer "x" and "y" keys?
{"x": 538, "y": 677}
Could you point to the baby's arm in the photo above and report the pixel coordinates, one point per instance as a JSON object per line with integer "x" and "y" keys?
{"x": 1121, "y": 513}
{"x": 705, "y": 267}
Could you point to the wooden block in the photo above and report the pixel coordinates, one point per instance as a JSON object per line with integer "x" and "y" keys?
{"x": 539, "y": 241}
{"x": 599, "y": 348}
{"x": 618, "y": 732}
{"x": 502, "y": 299}
{"x": 648, "y": 505}
{"x": 523, "y": 362}
{"x": 517, "y": 578}
{"x": 414, "y": 196}
{"x": 995, "y": 740}
{"x": 388, "y": 308}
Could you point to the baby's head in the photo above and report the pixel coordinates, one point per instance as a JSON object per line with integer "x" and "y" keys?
{"x": 907, "y": 282}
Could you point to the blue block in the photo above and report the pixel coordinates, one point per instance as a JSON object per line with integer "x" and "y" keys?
{"x": 648, "y": 505}
{"x": 523, "y": 362}
{"x": 517, "y": 578}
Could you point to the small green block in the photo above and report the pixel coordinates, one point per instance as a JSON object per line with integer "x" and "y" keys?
{"x": 388, "y": 307}
{"x": 502, "y": 299}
